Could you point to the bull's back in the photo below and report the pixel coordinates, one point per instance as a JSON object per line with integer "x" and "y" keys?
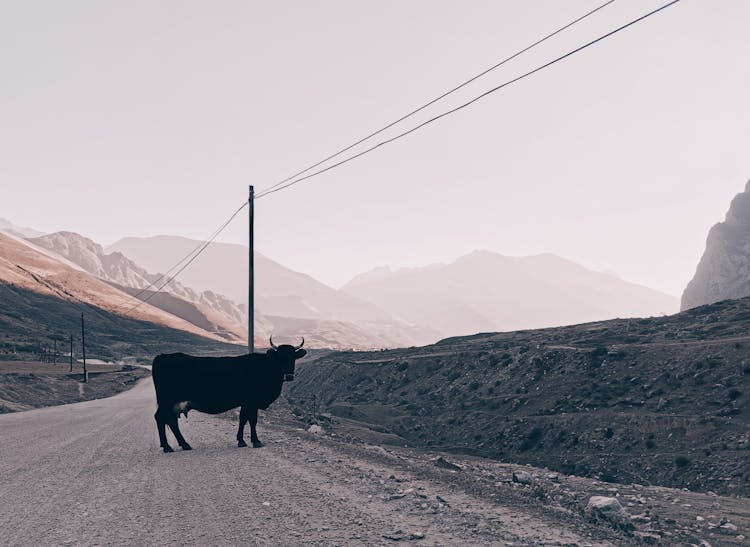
{"x": 212, "y": 385}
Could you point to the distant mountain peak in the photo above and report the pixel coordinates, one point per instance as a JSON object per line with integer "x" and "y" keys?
{"x": 20, "y": 231}
{"x": 485, "y": 290}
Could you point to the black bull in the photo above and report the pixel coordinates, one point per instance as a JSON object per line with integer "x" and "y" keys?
{"x": 217, "y": 384}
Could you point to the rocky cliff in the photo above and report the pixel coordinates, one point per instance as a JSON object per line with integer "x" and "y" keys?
{"x": 724, "y": 270}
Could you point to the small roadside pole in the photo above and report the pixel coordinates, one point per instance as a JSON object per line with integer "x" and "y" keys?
{"x": 54, "y": 353}
{"x": 83, "y": 351}
{"x": 71, "y": 353}
{"x": 251, "y": 277}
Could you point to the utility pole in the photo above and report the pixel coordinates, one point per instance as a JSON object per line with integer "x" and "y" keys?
{"x": 83, "y": 350}
{"x": 54, "y": 354}
{"x": 71, "y": 353}
{"x": 251, "y": 280}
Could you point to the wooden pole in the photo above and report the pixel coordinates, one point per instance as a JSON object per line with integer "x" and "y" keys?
{"x": 54, "y": 354}
{"x": 83, "y": 351}
{"x": 251, "y": 280}
{"x": 71, "y": 353}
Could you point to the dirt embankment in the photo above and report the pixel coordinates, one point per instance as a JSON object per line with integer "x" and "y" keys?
{"x": 25, "y": 385}
{"x": 659, "y": 401}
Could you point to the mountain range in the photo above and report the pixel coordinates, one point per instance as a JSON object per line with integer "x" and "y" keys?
{"x": 479, "y": 292}
{"x": 279, "y": 293}
{"x": 485, "y": 291}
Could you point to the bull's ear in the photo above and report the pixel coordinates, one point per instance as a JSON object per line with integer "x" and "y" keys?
{"x": 299, "y": 354}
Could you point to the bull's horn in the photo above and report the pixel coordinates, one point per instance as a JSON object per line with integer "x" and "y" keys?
{"x": 272, "y": 344}
{"x": 302, "y": 344}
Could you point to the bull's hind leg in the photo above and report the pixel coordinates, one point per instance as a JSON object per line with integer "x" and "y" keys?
{"x": 172, "y": 423}
{"x": 160, "y": 426}
{"x": 241, "y": 429}
{"x": 253, "y": 416}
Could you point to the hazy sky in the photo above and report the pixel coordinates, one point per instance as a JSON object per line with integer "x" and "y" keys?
{"x": 145, "y": 117}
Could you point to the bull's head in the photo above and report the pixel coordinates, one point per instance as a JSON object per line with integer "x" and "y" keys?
{"x": 284, "y": 356}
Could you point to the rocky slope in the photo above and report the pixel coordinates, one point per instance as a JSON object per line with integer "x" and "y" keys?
{"x": 653, "y": 401}
{"x": 724, "y": 270}
{"x": 206, "y": 309}
{"x": 43, "y": 297}
{"x": 486, "y": 291}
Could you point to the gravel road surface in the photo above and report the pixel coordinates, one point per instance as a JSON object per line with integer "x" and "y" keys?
{"x": 92, "y": 474}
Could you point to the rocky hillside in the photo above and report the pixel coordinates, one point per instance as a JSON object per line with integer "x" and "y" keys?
{"x": 724, "y": 270}
{"x": 42, "y": 298}
{"x": 485, "y": 291}
{"x": 650, "y": 401}
{"x": 206, "y": 309}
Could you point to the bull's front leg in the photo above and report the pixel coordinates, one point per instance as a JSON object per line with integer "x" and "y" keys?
{"x": 241, "y": 430}
{"x": 253, "y": 416}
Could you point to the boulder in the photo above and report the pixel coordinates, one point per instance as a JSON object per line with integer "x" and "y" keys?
{"x": 609, "y": 509}
{"x": 522, "y": 477}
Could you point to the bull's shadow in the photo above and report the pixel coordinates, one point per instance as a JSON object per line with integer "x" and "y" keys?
{"x": 217, "y": 384}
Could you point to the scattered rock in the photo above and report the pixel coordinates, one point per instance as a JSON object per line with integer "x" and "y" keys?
{"x": 648, "y": 537}
{"x": 396, "y": 497}
{"x": 604, "y": 505}
{"x": 399, "y": 535}
{"x": 315, "y": 428}
{"x": 608, "y": 509}
{"x": 728, "y": 527}
{"x": 445, "y": 464}
{"x": 441, "y": 500}
{"x": 522, "y": 477}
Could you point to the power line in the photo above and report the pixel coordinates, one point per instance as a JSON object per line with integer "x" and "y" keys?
{"x": 290, "y": 181}
{"x": 464, "y": 105}
{"x": 201, "y": 247}
{"x": 187, "y": 256}
{"x": 436, "y": 99}
{"x": 195, "y": 254}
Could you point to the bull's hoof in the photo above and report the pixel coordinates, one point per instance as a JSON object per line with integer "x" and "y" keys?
{"x": 186, "y": 446}
{"x": 241, "y": 444}
{"x": 257, "y": 444}
{"x": 168, "y": 449}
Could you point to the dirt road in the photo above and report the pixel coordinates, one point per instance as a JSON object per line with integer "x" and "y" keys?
{"x": 92, "y": 474}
